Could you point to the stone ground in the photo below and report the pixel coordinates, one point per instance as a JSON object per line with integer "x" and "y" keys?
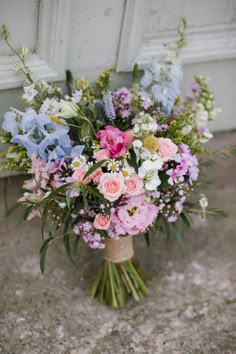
{"x": 192, "y": 304}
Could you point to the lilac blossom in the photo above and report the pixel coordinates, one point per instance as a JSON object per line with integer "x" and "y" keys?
{"x": 186, "y": 167}
{"x": 86, "y": 230}
{"x": 122, "y": 100}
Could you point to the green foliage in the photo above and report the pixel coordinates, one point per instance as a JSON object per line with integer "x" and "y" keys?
{"x": 135, "y": 74}
{"x": 94, "y": 167}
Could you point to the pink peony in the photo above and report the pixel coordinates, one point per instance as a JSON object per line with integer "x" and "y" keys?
{"x": 112, "y": 186}
{"x": 114, "y": 140}
{"x": 134, "y": 185}
{"x": 79, "y": 174}
{"x": 96, "y": 175}
{"x": 134, "y": 216}
{"x": 101, "y": 222}
{"x": 101, "y": 155}
{"x": 167, "y": 150}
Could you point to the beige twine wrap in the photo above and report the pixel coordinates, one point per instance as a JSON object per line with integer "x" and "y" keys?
{"x": 118, "y": 251}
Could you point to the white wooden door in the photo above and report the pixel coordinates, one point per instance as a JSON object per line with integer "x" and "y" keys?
{"x": 89, "y": 35}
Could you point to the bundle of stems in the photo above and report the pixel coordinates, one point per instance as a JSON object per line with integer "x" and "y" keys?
{"x": 116, "y": 282}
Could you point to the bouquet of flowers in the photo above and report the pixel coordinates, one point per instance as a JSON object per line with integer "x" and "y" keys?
{"x": 107, "y": 166}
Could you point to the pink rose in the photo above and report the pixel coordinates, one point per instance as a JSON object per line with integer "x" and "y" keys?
{"x": 101, "y": 155}
{"x": 112, "y": 186}
{"x": 114, "y": 140}
{"x": 129, "y": 138}
{"x": 79, "y": 174}
{"x": 134, "y": 185}
{"x": 96, "y": 175}
{"x": 101, "y": 222}
{"x": 167, "y": 149}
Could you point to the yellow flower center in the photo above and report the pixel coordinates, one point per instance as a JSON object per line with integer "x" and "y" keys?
{"x": 76, "y": 164}
{"x": 55, "y": 119}
{"x": 132, "y": 211}
{"x": 125, "y": 173}
{"x": 151, "y": 143}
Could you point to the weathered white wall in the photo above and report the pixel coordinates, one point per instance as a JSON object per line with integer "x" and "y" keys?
{"x": 89, "y": 35}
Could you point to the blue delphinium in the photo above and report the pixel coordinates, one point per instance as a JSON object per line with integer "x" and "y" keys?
{"x": 163, "y": 82}
{"x": 38, "y": 134}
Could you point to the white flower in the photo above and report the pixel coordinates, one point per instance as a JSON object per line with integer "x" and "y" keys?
{"x": 137, "y": 144}
{"x": 78, "y": 162}
{"x": 136, "y": 129}
{"x": 50, "y": 106}
{"x": 201, "y": 116}
{"x": 203, "y": 202}
{"x": 29, "y": 93}
{"x": 152, "y": 181}
{"x": 157, "y": 161}
{"x": 68, "y": 109}
{"x": 113, "y": 165}
{"x": 186, "y": 130}
{"x": 149, "y": 172}
{"x": 215, "y": 111}
{"x": 145, "y": 154}
{"x": 204, "y": 138}
{"x": 76, "y": 97}
{"x": 127, "y": 170}
{"x": 24, "y": 51}
{"x": 62, "y": 205}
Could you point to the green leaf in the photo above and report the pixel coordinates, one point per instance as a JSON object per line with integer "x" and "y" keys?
{"x": 132, "y": 160}
{"x": 43, "y": 252}
{"x": 66, "y": 241}
{"x": 167, "y": 229}
{"x": 44, "y": 221}
{"x": 186, "y": 219}
{"x": 135, "y": 74}
{"x": 94, "y": 168}
{"x": 23, "y": 217}
{"x": 68, "y": 193}
{"x": 158, "y": 228}
{"x": 57, "y": 191}
{"x": 11, "y": 210}
{"x": 147, "y": 238}
{"x": 76, "y": 244}
{"x": 52, "y": 228}
{"x": 178, "y": 236}
{"x": 85, "y": 200}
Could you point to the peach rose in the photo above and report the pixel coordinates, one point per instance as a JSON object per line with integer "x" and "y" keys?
{"x": 134, "y": 185}
{"x": 96, "y": 175}
{"x": 112, "y": 186}
{"x": 101, "y": 222}
{"x": 101, "y": 155}
{"x": 79, "y": 174}
{"x": 167, "y": 149}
